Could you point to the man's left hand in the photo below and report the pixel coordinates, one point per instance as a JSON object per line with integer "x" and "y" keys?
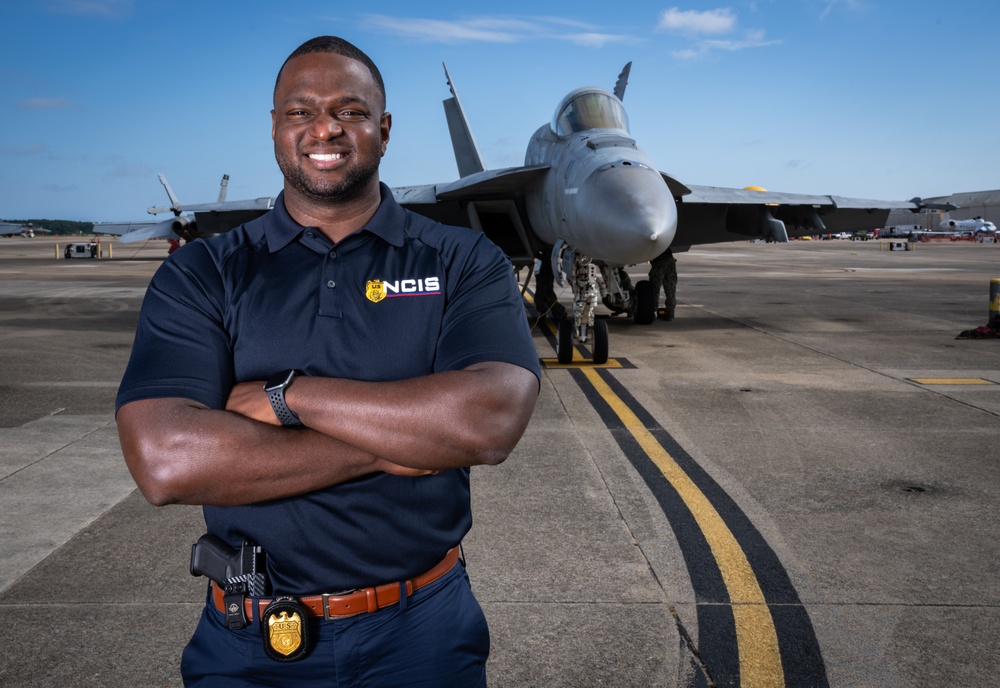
{"x": 249, "y": 399}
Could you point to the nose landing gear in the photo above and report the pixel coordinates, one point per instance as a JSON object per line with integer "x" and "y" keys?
{"x": 598, "y": 335}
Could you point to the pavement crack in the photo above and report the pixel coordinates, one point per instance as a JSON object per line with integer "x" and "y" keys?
{"x": 53, "y": 452}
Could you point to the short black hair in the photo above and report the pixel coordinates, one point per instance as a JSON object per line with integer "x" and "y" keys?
{"x": 338, "y": 46}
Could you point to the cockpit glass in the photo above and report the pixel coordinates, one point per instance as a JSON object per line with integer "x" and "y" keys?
{"x": 590, "y": 110}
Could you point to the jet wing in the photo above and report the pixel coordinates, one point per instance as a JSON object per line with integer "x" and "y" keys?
{"x": 264, "y": 204}
{"x": 131, "y": 232}
{"x": 711, "y": 214}
{"x": 209, "y": 219}
{"x": 490, "y": 201}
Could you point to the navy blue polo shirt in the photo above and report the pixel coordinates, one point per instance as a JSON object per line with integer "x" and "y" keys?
{"x": 400, "y": 298}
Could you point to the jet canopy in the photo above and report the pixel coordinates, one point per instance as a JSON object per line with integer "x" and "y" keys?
{"x": 589, "y": 108}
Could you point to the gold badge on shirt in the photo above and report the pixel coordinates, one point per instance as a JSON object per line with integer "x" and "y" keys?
{"x": 375, "y": 290}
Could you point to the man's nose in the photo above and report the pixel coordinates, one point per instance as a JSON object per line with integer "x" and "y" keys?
{"x": 326, "y": 127}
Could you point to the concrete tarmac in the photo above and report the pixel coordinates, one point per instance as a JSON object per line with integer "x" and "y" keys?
{"x": 792, "y": 483}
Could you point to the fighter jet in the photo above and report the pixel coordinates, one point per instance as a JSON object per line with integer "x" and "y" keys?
{"x": 209, "y": 218}
{"x": 588, "y": 202}
{"x": 28, "y": 231}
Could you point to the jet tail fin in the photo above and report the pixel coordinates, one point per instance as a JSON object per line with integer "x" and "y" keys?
{"x": 174, "y": 203}
{"x": 466, "y": 151}
{"x": 622, "y": 82}
{"x": 170, "y": 192}
{"x": 223, "y": 187}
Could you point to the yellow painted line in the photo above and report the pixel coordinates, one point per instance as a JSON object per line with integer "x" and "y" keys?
{"x": 580, "y": 362}
{"x": 756, "y": 637}
{"x": 951, "y": 381}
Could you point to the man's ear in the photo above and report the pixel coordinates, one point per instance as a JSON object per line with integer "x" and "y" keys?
{"x": 385, "y": 124}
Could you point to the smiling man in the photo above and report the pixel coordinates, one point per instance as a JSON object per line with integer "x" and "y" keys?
{"x": 286, "y": 376}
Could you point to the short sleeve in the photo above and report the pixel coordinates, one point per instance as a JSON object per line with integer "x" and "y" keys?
{"x": 182, "y": 347}
{"x": 484, "y": 316}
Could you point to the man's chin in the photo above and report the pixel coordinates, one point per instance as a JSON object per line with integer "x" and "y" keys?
{"x": 324, "y": 191}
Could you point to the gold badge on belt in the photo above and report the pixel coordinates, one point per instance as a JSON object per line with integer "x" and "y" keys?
{"x": 285, "y": 630}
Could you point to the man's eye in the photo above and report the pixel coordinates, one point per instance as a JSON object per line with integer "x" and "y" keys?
{"x": 351, "y": 116}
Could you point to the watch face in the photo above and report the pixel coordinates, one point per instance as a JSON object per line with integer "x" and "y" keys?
{"x": 279, "y": 380}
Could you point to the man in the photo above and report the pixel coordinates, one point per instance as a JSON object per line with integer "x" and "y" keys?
{"x": 397, "y": 355}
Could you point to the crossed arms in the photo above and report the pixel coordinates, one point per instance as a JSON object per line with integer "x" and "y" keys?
{"x": 180, "y": 451}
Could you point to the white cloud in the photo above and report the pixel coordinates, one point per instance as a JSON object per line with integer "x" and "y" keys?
{"x": 471, "y": 30}
{"x": 487, "y": 29}
{"x": 111, "y": 9}
{"x": 717, "y": 21}
{"x": 699, "y": 25}
{"x": 596, "y": 40}
{"x": 752, "y": 39}
{"x": 845, "y": 5}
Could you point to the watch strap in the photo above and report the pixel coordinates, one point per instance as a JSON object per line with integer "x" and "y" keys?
{"x": 281, "y": 410}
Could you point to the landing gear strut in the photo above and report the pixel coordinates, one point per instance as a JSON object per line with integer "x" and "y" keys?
{"x": 592, "y": 284}
{"x": 587, "y": 287}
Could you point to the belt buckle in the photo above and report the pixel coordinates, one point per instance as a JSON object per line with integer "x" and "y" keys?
{"x": 326, "y": 598}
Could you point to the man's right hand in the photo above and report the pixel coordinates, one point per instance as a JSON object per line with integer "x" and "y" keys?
{"x": 396, "y": 469}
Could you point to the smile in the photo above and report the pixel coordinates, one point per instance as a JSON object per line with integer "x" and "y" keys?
{"x": 325, "y": 157}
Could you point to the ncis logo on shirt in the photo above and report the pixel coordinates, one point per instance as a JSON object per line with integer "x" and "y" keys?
{"x": 377, "y": 289}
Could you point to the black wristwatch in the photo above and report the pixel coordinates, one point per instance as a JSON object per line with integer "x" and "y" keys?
{"x": 275, "y": 388}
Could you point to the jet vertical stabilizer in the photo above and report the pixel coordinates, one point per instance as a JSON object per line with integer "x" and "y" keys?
{"x": 223, "y": 187}
{"x": 174, "y": 203}
{"x": 466, "y": 151}
{"x": 622, "y": 82}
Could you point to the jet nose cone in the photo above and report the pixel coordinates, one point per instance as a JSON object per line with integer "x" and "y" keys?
{"x": 629, "y": 213}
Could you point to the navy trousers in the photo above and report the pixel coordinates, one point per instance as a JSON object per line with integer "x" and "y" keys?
{"x": 436, "y": 637}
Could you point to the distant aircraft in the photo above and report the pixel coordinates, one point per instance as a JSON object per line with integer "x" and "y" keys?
{"x": 28, "y": 230}
{"x": 589, "y": 202}
{"x": 977, "y": 225}
{"x": 209, "y": 218}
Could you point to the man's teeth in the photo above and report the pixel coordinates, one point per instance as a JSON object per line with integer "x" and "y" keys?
{"x": 325, "y": 156}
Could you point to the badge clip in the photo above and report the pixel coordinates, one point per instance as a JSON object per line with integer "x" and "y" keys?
{"x": 284, "y": 630}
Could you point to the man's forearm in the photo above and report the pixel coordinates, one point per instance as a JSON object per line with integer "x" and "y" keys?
{"x": 446, "y": 420}
{"x": 180, "y": 452}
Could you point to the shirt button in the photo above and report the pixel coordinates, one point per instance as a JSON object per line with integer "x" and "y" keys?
{"x": 333, "y": 254}
{"x": 331, "y": 284}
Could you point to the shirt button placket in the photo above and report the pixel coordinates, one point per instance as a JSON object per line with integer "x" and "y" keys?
{"x": 329, "y": 299}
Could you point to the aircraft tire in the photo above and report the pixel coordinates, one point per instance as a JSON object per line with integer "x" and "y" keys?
{"x": 600, "y": 341}
{"x": 645, "y": 303}
{"x": 565, "y": 351}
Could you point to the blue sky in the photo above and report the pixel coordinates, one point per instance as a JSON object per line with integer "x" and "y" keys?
{"x": 879, "y": 99}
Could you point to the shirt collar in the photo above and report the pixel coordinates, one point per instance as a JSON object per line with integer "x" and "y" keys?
{"x": 387, "y": 222}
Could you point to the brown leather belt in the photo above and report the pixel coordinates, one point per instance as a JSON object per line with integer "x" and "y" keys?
{"x": 349, "y": 603}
